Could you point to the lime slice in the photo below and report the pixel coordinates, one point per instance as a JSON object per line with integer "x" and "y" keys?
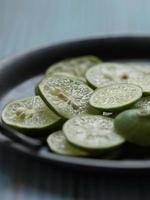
{"x": 36, "y": 90}
{"x": 143, "y": 67}
{"x": 75, "y": 66}
{"x": 59, "y": 144}
{"x": 143, "y": 104}
{"x": 143, "y": 80}
{"x": 108, "y": 73}
{"x": 67, "y": 74}
{"x": 115, "y": 97}
{"x": 134, "y": 126}
{"x": 66, "y": 95}
{"x": 92, "y": 132}
{"x": 30, "y": 115}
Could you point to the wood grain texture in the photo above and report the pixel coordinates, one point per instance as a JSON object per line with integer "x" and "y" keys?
{"x": 25, "y": 24}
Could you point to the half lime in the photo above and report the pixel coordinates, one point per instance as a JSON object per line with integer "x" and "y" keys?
{"x": 134, "y": 126}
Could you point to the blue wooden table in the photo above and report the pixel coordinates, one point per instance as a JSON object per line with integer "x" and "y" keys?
{"x": 25, "y": 24}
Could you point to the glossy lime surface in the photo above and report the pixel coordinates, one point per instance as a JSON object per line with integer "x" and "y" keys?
{"x": 134, "y": 126}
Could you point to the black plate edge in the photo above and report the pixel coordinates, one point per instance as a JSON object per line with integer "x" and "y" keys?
{"x": 103, "y": 164}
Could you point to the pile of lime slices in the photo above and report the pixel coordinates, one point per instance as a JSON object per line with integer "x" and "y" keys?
{"x": 86, "y": 107}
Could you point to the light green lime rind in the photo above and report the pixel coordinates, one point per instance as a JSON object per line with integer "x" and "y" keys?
{"x": 30, "y": 115}
{"x": 66, "y": 95}
{"x": 59, "y": 144}
{"x": 75, "y": 66}
{"x": 134, "y": 126}
{"x": 115, "y": 97}
{"x": 93, "y": 133}
{"x": 66, "y": 74}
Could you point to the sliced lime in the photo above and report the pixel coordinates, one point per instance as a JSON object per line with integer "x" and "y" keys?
{"x": 92, "y": 132}
{"x": 75, "y": 66}
{"x": 143, "y": 80}
{"x": 115, "y": 97}
{"x": 66, "y": 95}
{"x": 143, "y": 67}
{"x": 67, "y": 74}
{"x": 59, "y": 144}
{"x": 30, "y": 115}
{"x": 107, "y": 73}
{"x": 143, "y": 104}
{"x": 134, "y": 126}
{"x": 37, "y": 92}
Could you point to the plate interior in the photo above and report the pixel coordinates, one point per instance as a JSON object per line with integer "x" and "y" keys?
{"x": 26, "y": 89}
{"x": 18, "y": 80}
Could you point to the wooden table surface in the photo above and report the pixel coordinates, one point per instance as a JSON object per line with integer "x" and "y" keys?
{"x": 25, "y": 24}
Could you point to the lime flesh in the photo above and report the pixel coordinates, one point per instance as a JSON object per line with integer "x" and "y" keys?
{"x": 30, "y": 114}
{"x": 59, "y": 144}
{"x": 143, "y": 67}
{"x": 92, "y": 132}
{"x": 115, "y": 97}
{"x": 74, "y": 66}
{"x": 110, "y": 73}
{"x": 67, "y": 74}
{"x": 143, "y": 104}
{"x": 66, "y": 95}
{"x": 105, "y": 74}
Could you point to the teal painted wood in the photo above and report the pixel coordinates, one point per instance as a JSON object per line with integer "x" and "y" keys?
{"x": 25, "y": 179}
{"x": 25, "y": 24}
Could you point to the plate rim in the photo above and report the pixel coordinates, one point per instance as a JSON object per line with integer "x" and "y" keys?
{"x": 124, "y": 165}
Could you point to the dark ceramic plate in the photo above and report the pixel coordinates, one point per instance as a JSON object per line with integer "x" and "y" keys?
{"x": 18, "y": 76}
